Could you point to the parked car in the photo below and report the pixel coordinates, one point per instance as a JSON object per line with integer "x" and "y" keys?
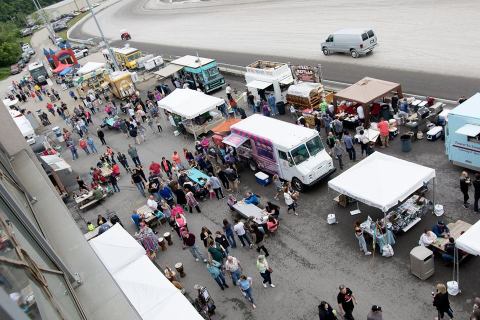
{"x": 356, "y": 42}
{"x": 21, "y": 64}
{"x": 26, "y": 48}
{"x": 80, "y": 53}
{"x": 26, "y": 32}
{"x": 79, "y": 47}
{"x": 14, "y": 69}
{"x": 59, "y": 27}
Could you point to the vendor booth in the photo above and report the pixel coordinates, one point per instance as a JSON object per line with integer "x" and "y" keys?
{"x": 390, "y": 184}
{"x": 194, "y": 110}
{"x": 262, "y": 76}
{"x": 90, "y": 77}
{"x": 366, "y": 92}
{"x": 305, "y": 95}
{"x": 152, "y": 295}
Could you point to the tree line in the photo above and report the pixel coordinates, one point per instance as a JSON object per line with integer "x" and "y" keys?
{"x": 13, "y": 16}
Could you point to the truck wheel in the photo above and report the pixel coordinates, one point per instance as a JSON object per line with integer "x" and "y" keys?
{"x": 325, "y": 51}
{"x": 253, "y": 165}
{"x": 354, "y": 53}
{"x": 85, "y": 54}
{"x": 298, "y": 185}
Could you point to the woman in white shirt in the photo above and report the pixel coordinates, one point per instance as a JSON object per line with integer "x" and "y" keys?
{"x": 289, "y": 201}
{"x": 427, "y": 238}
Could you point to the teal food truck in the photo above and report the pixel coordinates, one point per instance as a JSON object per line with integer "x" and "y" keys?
{"x": 462, "y": 134}
{"x": 200, "y": 73}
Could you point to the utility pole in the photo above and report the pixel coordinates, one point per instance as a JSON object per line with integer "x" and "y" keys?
{"x": 43, "y": 14}
{"x": 112, "y": 55}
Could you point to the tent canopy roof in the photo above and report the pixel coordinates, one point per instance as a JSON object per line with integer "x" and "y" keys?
{"x": 382, "y": 181}
{"x": 225, "y": 126}
{"x": 367, "y": 90}
{"x": 168, "y": 70}
{"x": 89, "y": 67}
{"x": 470, "y": 108}
{"x": 189, "y": 103}
{"x": 470, "y": 240}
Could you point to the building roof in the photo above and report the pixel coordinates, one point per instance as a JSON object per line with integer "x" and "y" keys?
{"x": 279, "y": 132}
{"x": 125, "y": 50}
{"x": 367, "y": 90}
{"x": 192, "y": 61}
{"x": 470, "y": 108}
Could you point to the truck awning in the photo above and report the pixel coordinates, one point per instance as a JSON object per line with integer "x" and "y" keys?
{"x": 469, "y": 130}
{"x": 234, "y": 140}
{"x": 257, "y": 84}
{"x": 168, "y": 70}
{"x": 287, "y": 80}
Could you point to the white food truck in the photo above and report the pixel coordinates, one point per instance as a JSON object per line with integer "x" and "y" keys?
{"x": 293, "y": 152}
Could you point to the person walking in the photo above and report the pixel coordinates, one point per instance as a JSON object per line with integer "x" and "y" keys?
{"x": 384, "y": 132}
{"x": 278, "y": 186}
{"x": 326, "y": 312}
{"x": 82, "y": 143}
{"x": 338, "y": 153}
{"x": 227, "y": 228}
{"x": 216, "y": 186}
{"x": 133, "y": 153}
{"x": 114, "y": 183}
{"x": 464, "y": 185}
{"x": 363, "y": 139}
{"x": 232, "y": 265}
{"x": 259, "y": 236}
{"x": 73, "y": 150}
{"x": 101, "y": 136}
{"x": 441, "y": 302}
{"x": 346, "y": 301}
{"x": 348, "y": 142}
{"x": 265, "y": 271}
{"x": 215, "y": 251}
{"x": 361, "y": 239}
{"x": 221, "y": 239}
{"x": 137, "y": 180}
{"x": 192, "y": 202}
{"x": 91, "y": 145}
{"x": 289, "y": 201}
{"x": 213, "y": 268}
{"x": 239, "y": 229}
{"x": 189, "y": 242}
{"x": 223, "y": 178}
{"x": 123, "y": 161}
{"x": 166, "y": 167}
{"x": 245, "y": 285}
{"x": 476, "y": 188}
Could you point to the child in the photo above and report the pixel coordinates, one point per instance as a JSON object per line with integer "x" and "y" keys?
{"x": 209, "y": 187}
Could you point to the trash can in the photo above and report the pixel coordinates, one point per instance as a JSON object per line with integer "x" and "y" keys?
{"x": 58, "y": 134}
{"x": 280, "y": 107}
{"x": 406, "y": 142}
{"x": 421, "y": 262}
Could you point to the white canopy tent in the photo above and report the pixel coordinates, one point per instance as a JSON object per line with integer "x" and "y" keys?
{"x": 150, "y": 293}
{"x": 189, "y": 103}
{"x": 89, "y": 67}
{"x": 382, "y": 181}
{"x": 469, "y": 242}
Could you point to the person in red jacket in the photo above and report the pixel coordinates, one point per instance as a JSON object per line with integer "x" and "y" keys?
{"x": 154, "y": 168}
{"x": 83, "y": 145}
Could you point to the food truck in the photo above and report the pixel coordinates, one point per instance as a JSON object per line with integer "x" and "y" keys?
{"x": 38, "y": 72}
{"x": 262, "y": 76}
{"x": 127, "y": 56}
{"x": 200, "y": 73}
{"x": 120, "y": 84}
{"x": 462, "y": 134}
{"x": 90, "y": 77}
{"x": 293, "y": 152}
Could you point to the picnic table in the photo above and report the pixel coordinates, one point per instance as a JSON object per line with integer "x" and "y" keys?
{"x": 455, "y": 229}
{"x": 195, "y": 175}
{"x": 86, "y": 200}
{"x": 249, "y": 210}
{"x": 149, "y": 216}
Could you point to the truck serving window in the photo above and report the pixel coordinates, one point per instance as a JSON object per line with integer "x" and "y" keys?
{"x": 314, "y": 146}
{"x": 300, "y": 154}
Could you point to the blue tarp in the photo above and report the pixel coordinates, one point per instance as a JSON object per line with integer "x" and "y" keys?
{"x": 65, "y": 71}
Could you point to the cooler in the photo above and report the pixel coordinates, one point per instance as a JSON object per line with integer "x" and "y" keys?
{"x": 434, "y": 133}
{"x": 421, "y": 262}
{"x": 262, "y": 178}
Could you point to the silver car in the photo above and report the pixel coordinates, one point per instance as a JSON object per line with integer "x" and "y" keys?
{"x": 355, "y": 42}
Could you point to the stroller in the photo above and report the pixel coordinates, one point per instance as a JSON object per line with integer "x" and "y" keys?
{"x": 43, "y": 118}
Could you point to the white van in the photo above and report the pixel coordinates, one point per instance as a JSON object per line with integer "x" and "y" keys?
{"x": 293, "y": 152}
{"x": 356, "y": 42}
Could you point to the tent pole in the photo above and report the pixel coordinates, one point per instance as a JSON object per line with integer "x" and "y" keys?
{"x": 433, "y": 200}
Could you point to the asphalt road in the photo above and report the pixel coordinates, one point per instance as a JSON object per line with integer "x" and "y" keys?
{"x": 290, "y": 31}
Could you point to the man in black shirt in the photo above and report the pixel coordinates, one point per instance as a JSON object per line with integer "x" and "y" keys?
{"x": 346, "y": 300}
{"x": 154, "y": 186}
{"x": 138, "y": 181}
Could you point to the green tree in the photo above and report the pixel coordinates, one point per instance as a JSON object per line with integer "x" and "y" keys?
{"x": 9, "y": 53}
